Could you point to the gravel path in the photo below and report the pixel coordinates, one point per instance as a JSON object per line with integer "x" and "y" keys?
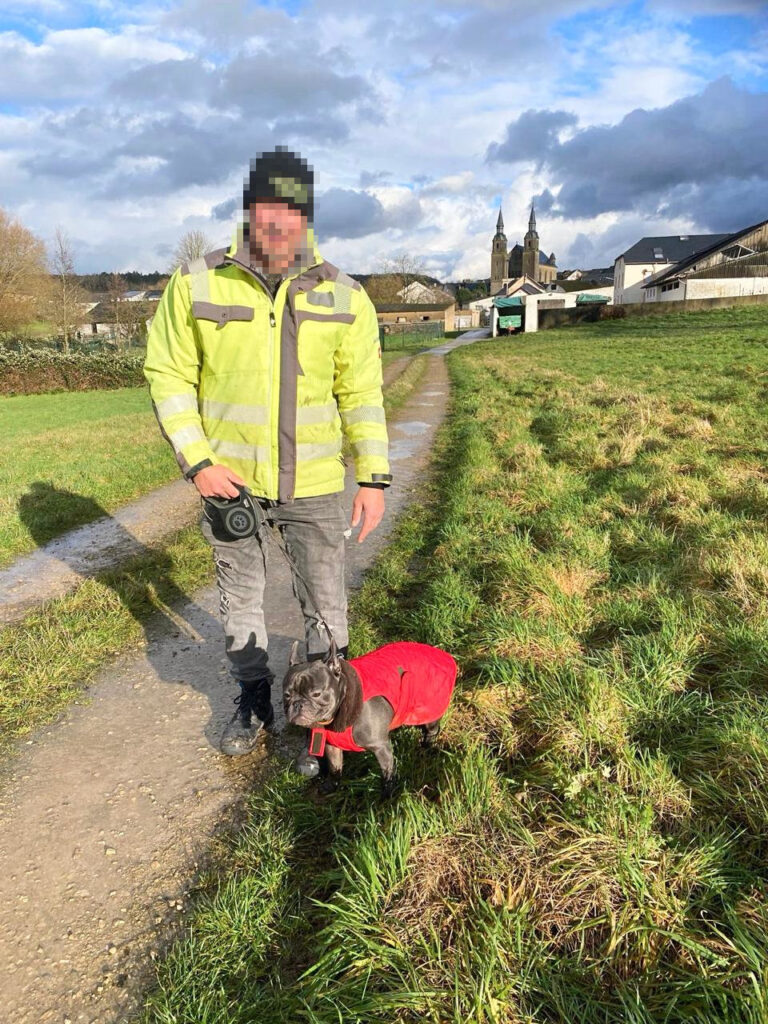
{"x": 106, "y": 816}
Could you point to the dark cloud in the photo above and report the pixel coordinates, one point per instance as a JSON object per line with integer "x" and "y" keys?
{"x": 175, "y": 123}
{"x": 286, "y": 83}
{"x": 348, "y": 213}
{"x": 544, "y": 201}
{"x": 533, "y": 136}
{"x": 252, "y": 104}
{"x": 227, "y": 209}
{"x": 704, "y": 157}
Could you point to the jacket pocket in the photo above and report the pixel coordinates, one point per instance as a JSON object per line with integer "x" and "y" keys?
{"x": 219, "y": 314}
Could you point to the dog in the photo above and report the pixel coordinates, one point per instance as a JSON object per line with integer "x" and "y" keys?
{"x": 355, "y": 704}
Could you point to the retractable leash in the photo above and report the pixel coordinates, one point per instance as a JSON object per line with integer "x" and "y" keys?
{"x": 244, "y": 517}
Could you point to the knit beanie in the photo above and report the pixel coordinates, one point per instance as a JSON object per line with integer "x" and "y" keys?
{"x": 283, "y": 177}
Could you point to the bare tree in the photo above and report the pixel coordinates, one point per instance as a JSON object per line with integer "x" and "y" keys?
{"x": 405, "y": 266}
{"x": 67, "y": 299}
{"x": 23, "y": 274}
{"x": 128, "y": 317}
{"x": 191, "y": 246}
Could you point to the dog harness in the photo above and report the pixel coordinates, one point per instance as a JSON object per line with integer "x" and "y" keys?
{"x": 416, "y": 679}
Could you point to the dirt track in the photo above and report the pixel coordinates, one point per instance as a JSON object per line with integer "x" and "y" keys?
{"x": 105, "y": 817}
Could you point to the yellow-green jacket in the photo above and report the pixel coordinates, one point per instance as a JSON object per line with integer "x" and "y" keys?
{"x": 265, "y": 387}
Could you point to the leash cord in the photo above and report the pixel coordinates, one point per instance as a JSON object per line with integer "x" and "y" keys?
{"x": 280, "y": 541}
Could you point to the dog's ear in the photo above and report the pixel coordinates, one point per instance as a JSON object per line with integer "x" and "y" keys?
{"x": 351, "y": 703}
{"x": 332, "y": 659}
{"x": 294, "y": 658}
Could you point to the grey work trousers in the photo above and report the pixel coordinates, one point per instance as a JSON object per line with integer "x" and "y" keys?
{"x": 314, "y": 530}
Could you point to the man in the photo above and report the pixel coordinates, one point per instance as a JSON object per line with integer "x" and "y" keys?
{"x": 258, "y": 358}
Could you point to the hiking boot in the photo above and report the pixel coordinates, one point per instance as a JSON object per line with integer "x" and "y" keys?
{"x": 242, "y": 732}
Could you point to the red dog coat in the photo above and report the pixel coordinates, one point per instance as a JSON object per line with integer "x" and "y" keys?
{"x": 416, "y": 679}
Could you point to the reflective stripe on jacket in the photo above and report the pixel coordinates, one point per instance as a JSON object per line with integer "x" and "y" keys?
{"x": 266, "y": 387}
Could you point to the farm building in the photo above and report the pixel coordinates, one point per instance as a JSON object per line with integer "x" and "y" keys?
{"x": 417, "y": 312}
{"x": 735, "y": 265}
{"x": 651, "y": 256}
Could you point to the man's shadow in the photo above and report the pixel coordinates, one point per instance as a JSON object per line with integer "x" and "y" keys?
{"x": 184, "y": 642}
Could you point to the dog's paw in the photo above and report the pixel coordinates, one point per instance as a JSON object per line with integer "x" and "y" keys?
{"x": 328, "y": 785}
{"x": 389, "y": 787}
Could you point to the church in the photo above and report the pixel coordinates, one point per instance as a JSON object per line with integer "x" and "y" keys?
{"x": 522, "y": 260}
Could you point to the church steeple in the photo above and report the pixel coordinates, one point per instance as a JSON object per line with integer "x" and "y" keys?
{"x": 531, "y": 248}
{"x": 498, "y": 256}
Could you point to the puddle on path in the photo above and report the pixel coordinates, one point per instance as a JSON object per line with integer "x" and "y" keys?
{"x": 404, "y": 449}
{"x": 413, "y": 428}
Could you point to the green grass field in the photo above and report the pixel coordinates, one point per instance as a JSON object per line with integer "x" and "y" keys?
{"x": 590, "y": 843}
{"x": 90, "y": 452}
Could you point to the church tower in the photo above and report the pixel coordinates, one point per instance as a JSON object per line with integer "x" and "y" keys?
{"x": 531, "y": 248}
{"x": 498, "y": 256}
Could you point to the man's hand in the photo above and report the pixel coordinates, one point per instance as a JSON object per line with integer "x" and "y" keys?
{"x": 217, "y": 482}
{"x": 368, "y": 503}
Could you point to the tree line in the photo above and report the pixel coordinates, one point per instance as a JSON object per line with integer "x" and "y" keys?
{"x": 38, "y": 283}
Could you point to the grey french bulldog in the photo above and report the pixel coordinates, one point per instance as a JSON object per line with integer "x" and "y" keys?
{"x": 355, "y": 704}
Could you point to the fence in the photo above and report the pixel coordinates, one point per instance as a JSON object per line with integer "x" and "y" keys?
{"x": 402, "y": 336}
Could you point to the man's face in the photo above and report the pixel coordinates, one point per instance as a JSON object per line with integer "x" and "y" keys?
{"x": 276, "y": 233}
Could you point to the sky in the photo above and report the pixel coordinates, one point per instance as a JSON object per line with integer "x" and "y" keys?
{"x": 130, "y": 123}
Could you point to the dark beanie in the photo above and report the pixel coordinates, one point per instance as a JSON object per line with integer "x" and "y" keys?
{"x": 283, "y": 177}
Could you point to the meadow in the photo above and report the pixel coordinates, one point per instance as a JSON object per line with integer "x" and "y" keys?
{"x": 590, "y": 842}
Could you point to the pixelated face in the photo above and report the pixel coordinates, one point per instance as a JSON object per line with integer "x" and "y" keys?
{"x": 277, "y": 232}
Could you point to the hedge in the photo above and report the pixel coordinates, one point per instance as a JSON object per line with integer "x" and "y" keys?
{"x": 36, "y": 371}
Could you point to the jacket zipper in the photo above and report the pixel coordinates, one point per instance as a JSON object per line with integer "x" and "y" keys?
{"x": 272, "y": 325}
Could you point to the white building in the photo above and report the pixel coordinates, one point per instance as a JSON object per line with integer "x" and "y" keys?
{"x": 651, "y": 256}
{"x": 735, "y": 266}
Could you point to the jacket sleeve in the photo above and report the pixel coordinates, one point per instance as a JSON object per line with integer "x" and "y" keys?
{"x": 357, "y": 387}
{"x": 172, "y": 369}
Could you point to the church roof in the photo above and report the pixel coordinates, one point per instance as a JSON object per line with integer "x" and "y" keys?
{"x": 543, "y": 258}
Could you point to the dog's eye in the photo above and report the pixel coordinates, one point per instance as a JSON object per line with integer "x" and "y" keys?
{"x": 316, "y": 693}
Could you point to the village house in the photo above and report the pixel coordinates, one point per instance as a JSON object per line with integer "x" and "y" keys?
{"x": 416, "y": 292}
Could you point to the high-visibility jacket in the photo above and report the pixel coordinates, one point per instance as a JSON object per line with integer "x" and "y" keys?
{"x": 416, "y": 679}
{"x": 265, "y": 387}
